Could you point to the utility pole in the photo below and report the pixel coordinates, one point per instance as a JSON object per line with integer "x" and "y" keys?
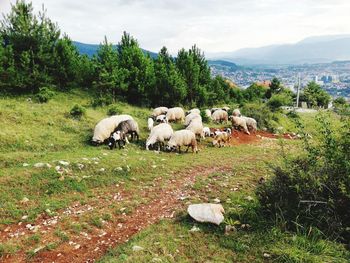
{"x": 298, "y": 90}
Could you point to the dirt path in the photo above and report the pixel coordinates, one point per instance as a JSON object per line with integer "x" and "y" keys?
{"x": 164, "y": 200}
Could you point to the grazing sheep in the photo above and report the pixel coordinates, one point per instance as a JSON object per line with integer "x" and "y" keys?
{"x": 191, "y": 117}
{"x": 183, "y": 138}
{"x": 162, "y": 118}
{"x": 159, "y": 111}
{"x": 251, "y": 124}
{"x": 236, "y": 113}
{"x": 206, "y": 131}
{"x": 196, "y": 126}
{"x": 239, "y": 122}
{"x": 159, "y": 134}
{"x": 150, "y": 123}
{"x": 214, "y": 109}
{"x": 221, "y": 139}
{"x": 117, "y": 137}
{"x": 208, "y": 113}
{"x": 175, "y": 114}
{"x": 220, "y": 116}
{"x": 105, "y": 127}
{"x": 129, "y": 127}
{"x": 225, "y": 108}
{"x": 195, "y": 110}
{"x": 228, "y": 130}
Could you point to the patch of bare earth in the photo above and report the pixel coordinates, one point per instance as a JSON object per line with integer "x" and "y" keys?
{"x": 164, "y": 198}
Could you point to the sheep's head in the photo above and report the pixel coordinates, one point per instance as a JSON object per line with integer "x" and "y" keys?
{"x": 111, "y": 142}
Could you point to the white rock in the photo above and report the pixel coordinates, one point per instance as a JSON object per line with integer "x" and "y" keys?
{"x": 267, "y": 255}
{"x": 39, "y": 165}
{"x": 119, "y": 169}
{"x": 216, "y": 200}
{"x": 25, "y": 164}
{"x": 137, "y": 248}
{"x": 102, "y": 170}
{"x": 195, "y": 229}
{"x": 212, "y": 213}
{"x": 38, "y": 249}
{"x": 24, "y": 200}
{"x": 64, "y": 163}
{"x": 24, "y": 217}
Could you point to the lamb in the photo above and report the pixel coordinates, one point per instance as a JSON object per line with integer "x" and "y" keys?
{"x": 221, "y": 139}
{"x": 239, "y": 122}
{"x": 183, "y": 138}
{"x": 208, "y": 113}
{"x": 159, "y": 134}
{"x": 159, "y": 111}
{"x": 251, "y": 124}
{"x": 206, "y": 131}
{"x": 195, "y": 110}
{"x": 236, "y": 113}
{"x": 175, "y": 114}
{"x": 117, "y": 137}
{"x": 191, "y": 117}
{"x": 162, "y": 118}
{"x": 129, "y": 127}
{"x": 220, "y": 116}
{"x": 105, "y": 127}
{"x": 196, "y": 126}
{"x": 150, "y": 123}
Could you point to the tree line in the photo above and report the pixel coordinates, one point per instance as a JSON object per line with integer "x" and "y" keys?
{"x": 35, "y": 55}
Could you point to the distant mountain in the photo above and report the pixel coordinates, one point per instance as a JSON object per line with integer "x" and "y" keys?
{"x": 91, "y": 49}
{"x": 223, "y": 65}
{"x": 319, "y": 49}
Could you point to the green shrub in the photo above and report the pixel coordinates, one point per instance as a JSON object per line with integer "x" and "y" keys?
{"x": 77, "y": 111}
{"x": 204, "y": 116}
{"x": 114, "y": 110}
{"x": 313, "y": 189}
{"x": 262, "y": 114}
{"x": 101, "y": 101}
{"x": 279, "y": 100}
{"x": 44, "y": 95}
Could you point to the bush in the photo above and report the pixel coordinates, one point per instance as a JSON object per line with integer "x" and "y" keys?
{"x": 114, "y": 110}
{"x": 279, "y": 100}
{"x": 101, "y": 101}
{"x": 262, "y": 114}
{"x": 77, "y": 111}
{"x": 204, "y": 116}
{"x": 44, "y": 95}
{"x": 313, "y": 189}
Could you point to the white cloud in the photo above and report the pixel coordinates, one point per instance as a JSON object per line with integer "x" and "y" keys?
{"x": 222, "y": 25}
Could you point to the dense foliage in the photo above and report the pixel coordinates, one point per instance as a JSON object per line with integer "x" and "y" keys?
{"x": 315, "y": 96}
{"x": 313, "y": 189}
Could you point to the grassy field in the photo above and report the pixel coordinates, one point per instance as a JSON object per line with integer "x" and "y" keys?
{"x": 95, "y": 177}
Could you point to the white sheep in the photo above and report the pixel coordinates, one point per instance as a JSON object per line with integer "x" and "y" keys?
{"x": 196, "y": 126}
{"x": 183, "y": 138}
{"x": 236, "y": 112}
{"x": 251, "y": 124}
{"x": 221, "y": 139}
{"x": 214, "y": 109}
{"x": 162, "y": 118}
{"x": 220, "y": 116}
{"x": 192, "y": 116}
{"x": 105, "y": 127}
{"x": 175, "y": 114}
{"x": 160, "y": 110}
{"x": 195, "y": 110}
{"x": 225, "y": 108}
{"x": 159, "y": 134}
{"x": 239, "y": 122}
{"x": 206, "y": 131}
{"x": 150, "y": 123}
{"x": 208, "y": 113}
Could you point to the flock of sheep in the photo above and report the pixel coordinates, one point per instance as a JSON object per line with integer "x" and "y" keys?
{"x": 116, "y": 129}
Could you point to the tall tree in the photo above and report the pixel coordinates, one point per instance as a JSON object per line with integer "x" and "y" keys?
{"x": 274, "y": 87}
{"x": 315, "y": 96}
{"x": 170, "y": 87}
{"x": 110, "y": 78}
{"x": 139, "y": 70}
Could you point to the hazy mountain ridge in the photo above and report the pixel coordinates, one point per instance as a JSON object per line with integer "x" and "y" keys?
{"x": 91, "y": 49}
{"x": 319, "y": 49}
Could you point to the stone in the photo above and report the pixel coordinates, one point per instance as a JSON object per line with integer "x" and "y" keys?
{"x": 195, "y": 229}
{"x": 24, "y": 200}
{"x": 266, "y": 255}
{"x": 137, "y": 248}
{"x": 25, "y": 164}
{"x": 206, "y": 212}
{"x": 42, "y": 165}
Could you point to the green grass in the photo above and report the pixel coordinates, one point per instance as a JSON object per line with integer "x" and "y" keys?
{"x": 33, "y": 132}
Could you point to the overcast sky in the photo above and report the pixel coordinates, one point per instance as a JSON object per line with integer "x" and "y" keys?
{"x": 214, "y": 25}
